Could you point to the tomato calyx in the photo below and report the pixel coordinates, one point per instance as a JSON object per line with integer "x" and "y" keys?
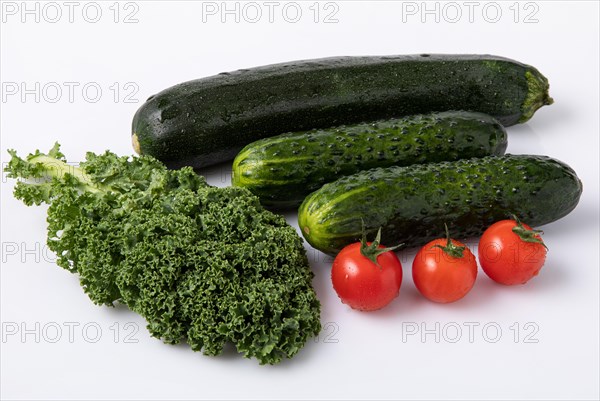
{"x": 450, "y": 248}
{"x": 373, "y": 250}
{"x": 527, "y": 235}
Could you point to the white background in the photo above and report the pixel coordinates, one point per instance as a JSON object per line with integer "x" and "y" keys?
{"x": 358, "y": 355}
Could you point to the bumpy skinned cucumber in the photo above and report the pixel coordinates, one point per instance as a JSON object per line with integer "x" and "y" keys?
{"x": 412, "y": 203}
{"x": 284, "y": 169}
{"x": 209, "y": 120}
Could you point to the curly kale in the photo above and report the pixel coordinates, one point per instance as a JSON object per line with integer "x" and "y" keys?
{"x": 200, "y": 263}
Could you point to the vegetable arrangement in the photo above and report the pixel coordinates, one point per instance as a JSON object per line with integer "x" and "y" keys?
{"x": 363, "y": 145}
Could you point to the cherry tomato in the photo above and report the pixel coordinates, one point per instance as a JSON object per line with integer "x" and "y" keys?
{"x": 360, "y": 282}
{"x": 444, "y": 270}
{"x": 510, "y": 252}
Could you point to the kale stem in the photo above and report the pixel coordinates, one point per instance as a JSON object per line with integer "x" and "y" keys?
{"x": 57, "y": 168}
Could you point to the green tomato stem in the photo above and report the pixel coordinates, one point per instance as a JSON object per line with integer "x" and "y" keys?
{"x": 451, "y": 249}
{"x": 372, "y": 251}
{"x": 527, "y": 235}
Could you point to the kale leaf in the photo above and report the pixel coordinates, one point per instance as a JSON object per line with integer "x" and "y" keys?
{"x": 202, "y": 264}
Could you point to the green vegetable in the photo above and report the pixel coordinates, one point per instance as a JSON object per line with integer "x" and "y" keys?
{"x": 204, "y": 264}
{"x": 413, "y": 203}
{"x": 209, "y": 120}
{"x": 284, "y": 169}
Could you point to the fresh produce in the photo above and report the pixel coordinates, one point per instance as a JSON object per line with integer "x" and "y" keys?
{"x": 511, "y": 252}
{"x": 444, "y": 270}
{"x": 204, "y": 264}
{"x": 209, "y": 120}
{"x": 366, "y": 275}
{"x": 411, "y": 203}
{"x": 284, "y": 169}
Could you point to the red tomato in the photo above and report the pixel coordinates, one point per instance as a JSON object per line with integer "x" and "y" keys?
{"x": 511, "y": 252}
{"x": 362, "y": 284}
{"x": 442, "y": 277}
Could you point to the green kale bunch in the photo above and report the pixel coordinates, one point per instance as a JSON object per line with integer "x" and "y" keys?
{"x": 200, "y": 263}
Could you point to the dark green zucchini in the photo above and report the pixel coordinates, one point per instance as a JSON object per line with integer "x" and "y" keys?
{"x": 412, "y": 203}
{"x": 284, "y": 169}
{"x": 207, "y": 121}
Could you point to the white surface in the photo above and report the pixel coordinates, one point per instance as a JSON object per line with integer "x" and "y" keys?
{"x": 359, "y": 355}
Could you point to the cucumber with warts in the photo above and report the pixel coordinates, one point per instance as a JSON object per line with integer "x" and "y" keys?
{"x": 209, "y": 120}
{"x": 284, "y": 169}
{"x": 413, "y": 203}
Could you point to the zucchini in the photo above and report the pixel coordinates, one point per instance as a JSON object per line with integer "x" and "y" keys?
{"x": 284, "y": 169}
{"x": 209, "y": 120}
{"x": 412, "y": 203}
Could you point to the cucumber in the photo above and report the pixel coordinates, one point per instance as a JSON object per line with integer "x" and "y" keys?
{"x": 284, "y": 169}
{"x": 412, "y": 203}
{"x": 209, "y": 120}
